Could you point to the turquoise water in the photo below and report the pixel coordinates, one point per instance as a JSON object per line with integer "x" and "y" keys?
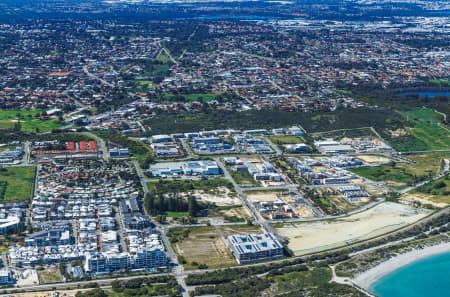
{"x": 428, "y": 277}
{"x": 426, "y": 94}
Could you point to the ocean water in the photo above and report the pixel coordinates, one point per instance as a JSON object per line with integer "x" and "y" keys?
{"x": 429, "y": 277}
{"x": 426, "y": 94}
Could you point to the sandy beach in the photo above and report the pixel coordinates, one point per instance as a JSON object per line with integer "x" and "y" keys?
{"x": 370, "y": 276}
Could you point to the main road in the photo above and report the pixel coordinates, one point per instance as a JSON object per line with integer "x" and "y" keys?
{"x": 178, "y": 269}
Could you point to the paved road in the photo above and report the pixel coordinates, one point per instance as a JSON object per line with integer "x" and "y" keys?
{"x": 141, "y": 176}
{"x": 142, "y": 126}
{"x": 347, "y": 281}
{"x": 406, "y": 190}
{"x": 259, "y": 219}
{"x": 91, "y": 75}
{"x": 168, "y": 54}
{"x": 178, "y": 269}
{"x": 273, "y": 146}
{"x": 26, "y": 153}
{"x": 185, "y": 148}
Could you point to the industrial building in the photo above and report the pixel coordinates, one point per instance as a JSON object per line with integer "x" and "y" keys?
{"x": 194, "y": 168}
{"x": 263, "y": 172}
{"x": 333, "y": 147}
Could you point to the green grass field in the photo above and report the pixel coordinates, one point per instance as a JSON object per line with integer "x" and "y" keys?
{"x": 402, "y": 174}
{"x": 286, "y": 139}
{"x": 440, "y": 81}
{"x": 163, "y": 57}
{"x": 19, "y": 183}
{"x": 28, "y": 121}
{"x": 179, "y": 214}
{"x": 144, "y": 82}
{"x": 205, "y": 97}
{"x": 243, "y": 178}
{"x": 427, "y": 132}
{"x": 8, "y": 147}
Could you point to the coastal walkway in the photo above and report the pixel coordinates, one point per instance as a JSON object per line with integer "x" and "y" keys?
{"x": 347, "y": 281}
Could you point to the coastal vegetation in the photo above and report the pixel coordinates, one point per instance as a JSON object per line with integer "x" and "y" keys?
{"x": 151, "y": 286}
{"x": 284, "y": 279}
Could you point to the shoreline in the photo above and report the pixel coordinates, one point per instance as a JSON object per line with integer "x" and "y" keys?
{"x": 367, "y": 278}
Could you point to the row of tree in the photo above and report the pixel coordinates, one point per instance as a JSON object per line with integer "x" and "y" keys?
{"x": 159, "y": 204}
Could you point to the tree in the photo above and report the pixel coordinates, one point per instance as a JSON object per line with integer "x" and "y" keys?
{"x": 97, "y": 292}
{"x": 30, "y": 227}
{"x": 62, "y": 268}
{"x": 192, "y": 206}
{"x": 161, "y": 219}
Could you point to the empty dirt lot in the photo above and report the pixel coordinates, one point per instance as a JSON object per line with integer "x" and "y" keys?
{"x": 311, "y": 237}
{"x": 204, "y": 246}
{"x": 240, "y": 229}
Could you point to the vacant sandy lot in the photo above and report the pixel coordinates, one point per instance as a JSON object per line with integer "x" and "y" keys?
{"x": 376, "y": 191}
{"x": 241, "y": 212}
{"x": 424, "y": 199}
{"x": 49, "y": 275}
{"x": 311, "y": 237}
{"x": 251, "y": 159}
{"x": 205, "y": 246}
{"x": 305, "y": 212}
{"x": 28, "y": 277}
{"x": 222, "y": 196}
{"x": 241, "y": 229}
{"x": 263, "y": 196}
{"x": 374, "y": 159}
